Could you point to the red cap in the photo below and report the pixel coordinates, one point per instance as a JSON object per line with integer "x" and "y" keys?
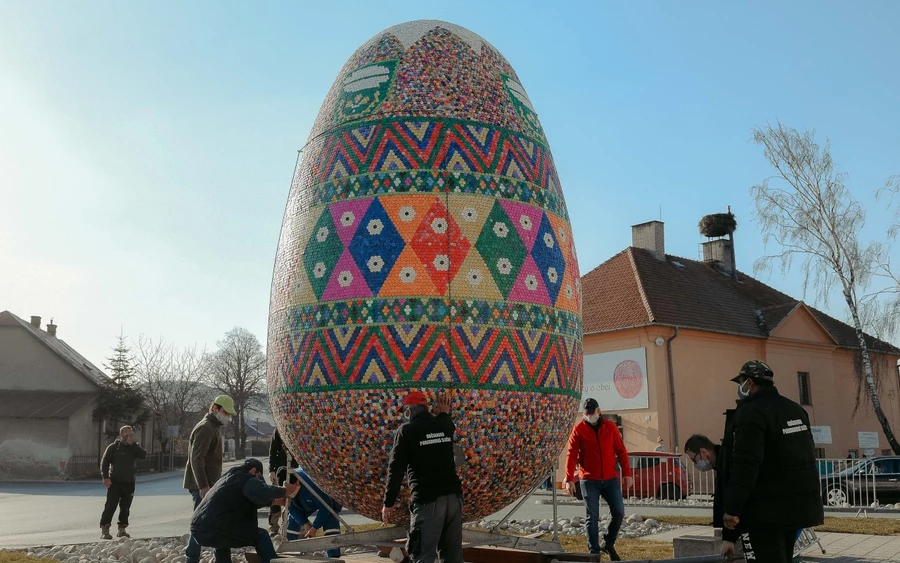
{"x": 414, "y": 398}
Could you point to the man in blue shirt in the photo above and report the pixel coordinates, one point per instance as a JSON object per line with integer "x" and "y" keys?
{"x": 304, "y": 505}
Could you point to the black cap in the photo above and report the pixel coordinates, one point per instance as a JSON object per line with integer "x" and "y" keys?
{"x": 253, "y": 462}
{"x": 590, "y": 404}
{"x": 754, "y": 369}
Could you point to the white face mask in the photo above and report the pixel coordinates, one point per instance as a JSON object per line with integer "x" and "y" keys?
{"x": 741, "y": 392}
{"x": 592, "y": 418}
{"x": 223, "y": 418}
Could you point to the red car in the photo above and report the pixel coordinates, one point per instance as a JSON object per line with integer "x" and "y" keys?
{"x": 658, "y": 474}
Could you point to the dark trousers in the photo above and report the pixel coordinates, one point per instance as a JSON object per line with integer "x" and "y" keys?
{"x": 193, "y": 550}
{"x": 436, "y": 527}
{"x": 769, "y": 546}
{"x": 611, "y": 492}
{"x": 264, "y": 549}
{"x": 121, "y": 494}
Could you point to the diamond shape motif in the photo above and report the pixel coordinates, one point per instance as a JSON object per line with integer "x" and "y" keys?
{"x": 322, "y": 253}
{"x": 440, "y": 245}
{"x": 502, "y": 249}
{"x": 549, "y": 258}
{"x": 375, "y": 246}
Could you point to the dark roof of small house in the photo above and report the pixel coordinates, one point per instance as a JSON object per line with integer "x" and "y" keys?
{"x": 43, "y": 404}
{"x": 634, "y": 288}
{"x": 58, "y": 346}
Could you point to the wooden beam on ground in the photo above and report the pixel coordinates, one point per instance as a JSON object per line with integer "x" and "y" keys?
{"x": 475, "y": 538}
{"x": 322, "y": 543}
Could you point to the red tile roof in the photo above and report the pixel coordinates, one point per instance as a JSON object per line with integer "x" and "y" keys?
{"x": 634, "y": 288}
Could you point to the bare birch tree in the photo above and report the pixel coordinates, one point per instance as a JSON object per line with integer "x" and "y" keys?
{"x": 883, "y": 306}
{"x": 238, "y": 369}
{"x": 808, "y": 212}
{"x": 172, "y": 380}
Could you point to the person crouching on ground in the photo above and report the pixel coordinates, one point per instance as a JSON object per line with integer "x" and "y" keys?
{"x": 594, "y": 445}
{"x": 308, "y": 501}
{"x": 226, "y": 518}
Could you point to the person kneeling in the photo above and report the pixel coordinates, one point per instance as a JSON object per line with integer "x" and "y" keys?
{"x": 226, "y": 518}
{"x": 304, "y": 505}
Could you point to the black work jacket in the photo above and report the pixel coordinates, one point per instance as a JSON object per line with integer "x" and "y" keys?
{"x": 774, "y": 480}
{"x": 226, "y": 517}
{"x": 278, "y": 454}
{"x": 423, "y": 450}
{"x": 122, "y": 458}
{"x": 723, "y": 473}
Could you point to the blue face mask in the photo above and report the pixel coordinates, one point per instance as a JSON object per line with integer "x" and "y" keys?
{"x": 704, "y": 465}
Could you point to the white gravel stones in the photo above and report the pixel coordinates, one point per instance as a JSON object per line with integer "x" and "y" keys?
{"x": 634, "y": 527}
{"x": 155, "y": 550}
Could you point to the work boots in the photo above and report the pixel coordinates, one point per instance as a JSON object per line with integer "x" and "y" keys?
{"x": 104, "y": 533}
{"x": 122, "y": 533}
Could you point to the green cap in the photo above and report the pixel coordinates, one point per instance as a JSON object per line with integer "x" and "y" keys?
{"x": 226, "y": 403}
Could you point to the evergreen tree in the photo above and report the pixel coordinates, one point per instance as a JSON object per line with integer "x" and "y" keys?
{"x": 121, "y": 402}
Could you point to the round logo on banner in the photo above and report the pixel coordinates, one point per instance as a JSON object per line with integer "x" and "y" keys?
{"x": 628, "y": 379}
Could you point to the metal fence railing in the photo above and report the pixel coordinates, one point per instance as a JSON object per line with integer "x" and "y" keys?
{"x": 666, "y": 478}
{"x": 88, "y": 466}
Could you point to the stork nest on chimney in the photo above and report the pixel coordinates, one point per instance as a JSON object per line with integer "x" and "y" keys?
{"x": 718, "y": 225}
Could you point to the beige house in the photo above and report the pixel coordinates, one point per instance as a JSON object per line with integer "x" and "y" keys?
{"x": 663, "y": 335}
{"x": 48, "y": 392}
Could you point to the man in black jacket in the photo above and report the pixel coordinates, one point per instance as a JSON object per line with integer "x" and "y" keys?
{"x": 773, "y": 491}
{"x": 226, "y": 518}
{"x": 279, "y": 458}
{"x": 423, "y": 451}
{"x": 707, "y": 456}
{"x": 117, "y": 467}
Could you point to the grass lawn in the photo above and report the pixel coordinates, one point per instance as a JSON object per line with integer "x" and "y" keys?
{"x": 873, "y": 526}
{"x": 19, "y": 557}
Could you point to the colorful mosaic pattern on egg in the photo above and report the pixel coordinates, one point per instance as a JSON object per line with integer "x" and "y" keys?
{"x": 426, "y": 245}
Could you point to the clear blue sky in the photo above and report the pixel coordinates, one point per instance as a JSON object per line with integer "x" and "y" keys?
{"x": 146, "y": 150}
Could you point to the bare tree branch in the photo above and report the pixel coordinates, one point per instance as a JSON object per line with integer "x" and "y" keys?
{"x": 807, "y": 210}
{"x": 238, "y": 369}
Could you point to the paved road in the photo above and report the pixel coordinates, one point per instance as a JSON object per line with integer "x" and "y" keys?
{"x": 62, "y": 513}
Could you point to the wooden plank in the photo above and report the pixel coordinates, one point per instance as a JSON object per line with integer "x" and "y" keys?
{"x": 498, "y": 555}
{"x": 322, "y": 543}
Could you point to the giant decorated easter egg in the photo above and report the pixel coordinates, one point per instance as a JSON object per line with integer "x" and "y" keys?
{"x": 426, "y": 246}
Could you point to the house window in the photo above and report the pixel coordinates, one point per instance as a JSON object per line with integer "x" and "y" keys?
{"x": 820, "y": 453}
{"x": 887, "y": 452}
{"x": 803, "y": 383}
{"x": 852, "y": 454}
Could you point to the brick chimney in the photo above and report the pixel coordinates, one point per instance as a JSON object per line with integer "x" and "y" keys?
{"x": 650, "y": 236}
{"x": 51, "y": 328}
{"x": 719, "y": 253}
{"x": 35, "y": 321}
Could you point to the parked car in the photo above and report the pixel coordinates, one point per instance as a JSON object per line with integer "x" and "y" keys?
{"x": 864, "y": 482}
{"x": 658, "y": 474}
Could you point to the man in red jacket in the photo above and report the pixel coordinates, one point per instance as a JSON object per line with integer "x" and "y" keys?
{"x": 594, "y": 446}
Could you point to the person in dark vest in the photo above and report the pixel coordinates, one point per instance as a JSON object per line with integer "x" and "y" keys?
{"x": 226, "y": 518}
{"x": 773, "y": 491}
{"x": 117, "y": 468}
{"x": 308, "y": 501}
{"x": 280, "y": 462}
